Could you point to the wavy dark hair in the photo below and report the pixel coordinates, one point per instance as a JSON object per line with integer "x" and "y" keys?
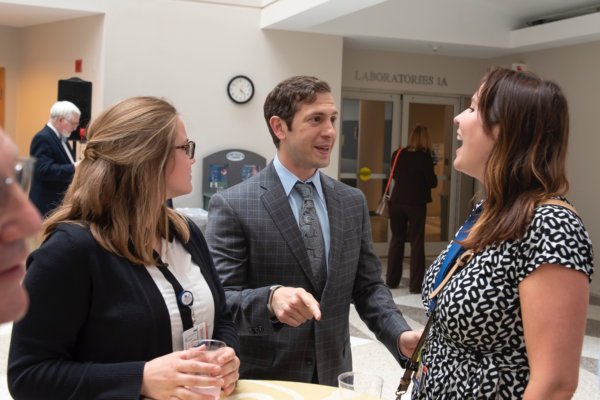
{"x": 527, "y": 163}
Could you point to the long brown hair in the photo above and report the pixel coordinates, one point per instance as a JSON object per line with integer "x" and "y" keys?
{"x": 419, "y": 139}
{"x": 527, "y": 163}
{"x": 119, "y": 189}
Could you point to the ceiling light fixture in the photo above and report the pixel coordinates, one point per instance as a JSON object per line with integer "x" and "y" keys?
{"x": 435, "y": 47}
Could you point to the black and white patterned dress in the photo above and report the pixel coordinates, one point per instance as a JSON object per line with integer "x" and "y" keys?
{"x": 476, "y": 347}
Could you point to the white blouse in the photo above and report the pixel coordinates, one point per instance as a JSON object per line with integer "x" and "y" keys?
{"x": 190, "y": 278}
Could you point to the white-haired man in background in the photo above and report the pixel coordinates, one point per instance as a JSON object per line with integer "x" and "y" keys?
{"x": 55, "y": 165}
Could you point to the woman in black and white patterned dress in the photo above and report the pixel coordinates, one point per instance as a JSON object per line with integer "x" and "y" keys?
{"x": 510, "y": 325}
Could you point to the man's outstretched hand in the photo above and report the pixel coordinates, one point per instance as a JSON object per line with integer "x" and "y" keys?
{"x": 294, "y": 306}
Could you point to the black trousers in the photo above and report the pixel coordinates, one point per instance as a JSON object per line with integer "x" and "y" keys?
{"x": 407, "y": 218}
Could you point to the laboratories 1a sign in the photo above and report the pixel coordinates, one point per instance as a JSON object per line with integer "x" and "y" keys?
{"x": 400, "y": 78}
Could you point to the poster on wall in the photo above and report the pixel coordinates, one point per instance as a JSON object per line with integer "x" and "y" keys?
{"x": 248, "y": 171}
{"x": 218, "y": 176}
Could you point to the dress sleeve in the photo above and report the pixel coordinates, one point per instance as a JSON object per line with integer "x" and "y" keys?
{"x": 556, "y": 235}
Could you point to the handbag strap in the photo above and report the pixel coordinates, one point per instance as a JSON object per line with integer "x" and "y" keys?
{"x": 392, "y": 172}
{"x": 412, "y": 364}
{"x": 456, "y": 251}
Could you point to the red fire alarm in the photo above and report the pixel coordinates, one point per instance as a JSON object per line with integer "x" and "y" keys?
{"x": 78, "y": 65}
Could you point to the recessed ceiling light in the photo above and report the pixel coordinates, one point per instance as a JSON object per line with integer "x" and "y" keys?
{"x": 435, "y": 47}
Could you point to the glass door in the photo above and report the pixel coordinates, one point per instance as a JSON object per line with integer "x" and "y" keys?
{"x": 369, "y": 135}
{"x": 437, "y": 114}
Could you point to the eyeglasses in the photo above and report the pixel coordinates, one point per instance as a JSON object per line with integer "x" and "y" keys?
{"x": 190, "y": 149}
{"x": 22, "y": 176}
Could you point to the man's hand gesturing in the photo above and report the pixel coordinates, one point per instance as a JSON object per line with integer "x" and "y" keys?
{"x": 294, "y": 306}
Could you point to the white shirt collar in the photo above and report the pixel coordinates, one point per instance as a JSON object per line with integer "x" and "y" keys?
{"x": 54, "y": 129}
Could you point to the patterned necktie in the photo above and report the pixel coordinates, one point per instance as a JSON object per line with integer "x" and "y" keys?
{"x": 310, "y": 229}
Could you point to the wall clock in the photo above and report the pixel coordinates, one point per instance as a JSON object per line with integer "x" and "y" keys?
{"x": 240, "y": 89}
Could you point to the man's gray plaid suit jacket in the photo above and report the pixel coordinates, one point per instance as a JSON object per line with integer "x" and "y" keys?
{"x": 255, "y": 243}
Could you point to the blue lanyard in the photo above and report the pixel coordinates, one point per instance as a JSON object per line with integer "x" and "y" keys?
{"x": 454, "y": 251}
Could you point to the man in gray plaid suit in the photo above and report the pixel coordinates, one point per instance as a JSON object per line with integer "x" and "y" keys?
{"x": 294, "y": 249}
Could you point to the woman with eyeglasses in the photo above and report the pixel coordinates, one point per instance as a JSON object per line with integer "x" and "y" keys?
{"x": 120, "y": 277}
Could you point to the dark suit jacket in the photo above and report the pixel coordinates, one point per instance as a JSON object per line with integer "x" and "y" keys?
{"x": 95, "y": 319}
{"x": 256, "y": 243}
{"x": 53, "y": 171}
{"x": 413, "y": 178}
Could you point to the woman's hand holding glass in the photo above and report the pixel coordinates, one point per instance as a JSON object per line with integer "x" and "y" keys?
{"x": 170, "y": 376}
{"x": 225, "y": 358}
{"x": 230, "y": 369}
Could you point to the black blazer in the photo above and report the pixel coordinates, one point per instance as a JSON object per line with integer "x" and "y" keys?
{"x": 53, "y": 170}
{"x": 95, "y": 319}
{"x": 414, "y": 178}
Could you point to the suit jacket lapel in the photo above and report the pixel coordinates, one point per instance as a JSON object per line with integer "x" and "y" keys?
{"x": 336, "y": 229}
{"x": 278, "y": 207}
{"x": 57, "y": 142}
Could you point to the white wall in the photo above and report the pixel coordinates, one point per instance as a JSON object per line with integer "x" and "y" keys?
{"x": 462, "y": 75}
{"x": 47, "y": 54}
{"x": 575, "y": 69}
{"x": 188, "y": 52}
{"x": 10, "y": 59}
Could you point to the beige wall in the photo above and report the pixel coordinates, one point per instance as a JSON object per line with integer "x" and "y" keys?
{"x": 188, "y": 52}
{"x": 575, "y": 69}
{"x": 461, "y": 75}
{"x": 47, "y": 54}
{"x": 184, "y": 51}
{"x": 9, "y": 59}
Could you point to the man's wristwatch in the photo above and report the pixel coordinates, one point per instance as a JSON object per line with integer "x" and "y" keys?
{"x": 271, "y": 291}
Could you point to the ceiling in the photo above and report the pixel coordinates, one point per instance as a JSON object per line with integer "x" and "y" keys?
{"x": 466, "y": 28}
{"x": 20, "y": 15}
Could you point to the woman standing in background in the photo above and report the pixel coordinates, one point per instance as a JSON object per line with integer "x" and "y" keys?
{"x": 414, "y": 178}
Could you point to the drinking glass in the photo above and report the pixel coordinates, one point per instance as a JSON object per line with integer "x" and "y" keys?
{"x": 359, "y": 386}
{"x": 213, "y": 349}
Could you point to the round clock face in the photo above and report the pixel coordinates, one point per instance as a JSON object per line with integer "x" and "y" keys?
{"x": 240, "y": 89}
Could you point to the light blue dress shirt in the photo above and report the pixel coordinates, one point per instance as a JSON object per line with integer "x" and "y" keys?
{"x": 288, "y": 180}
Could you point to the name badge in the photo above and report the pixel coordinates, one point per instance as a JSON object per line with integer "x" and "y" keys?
{"x": 194, "y": 336}
{"x": 419, "y": 378}
{"x": 186, "y": 298}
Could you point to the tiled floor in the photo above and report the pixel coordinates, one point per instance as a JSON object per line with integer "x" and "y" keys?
{"x": 371, "y": 356}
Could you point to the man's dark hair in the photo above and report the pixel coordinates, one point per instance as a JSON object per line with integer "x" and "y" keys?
{"x": 288, "y": 96}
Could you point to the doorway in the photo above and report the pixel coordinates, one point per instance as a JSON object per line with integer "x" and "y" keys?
{"x": 373, "y": 126}
{"x": 437, "y": 114}
{"x": 369, "y": 121}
